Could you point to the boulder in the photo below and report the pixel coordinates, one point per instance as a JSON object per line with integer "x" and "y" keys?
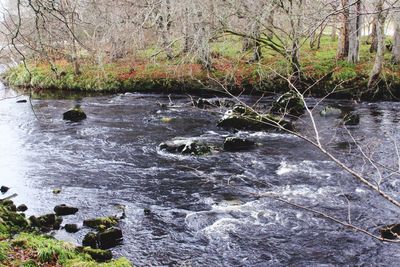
{"x": 4, "y": 189}
{"x": 22, "y": 208}
{"x": 351, "y": 119}
{"x": 289, "y": 103}
{"x": 98, "y": 255}
{"x": 109, "y": 238}
{"x": 237, "y": 144}
{"x": 101, "y": 222}
{"x": 329, "y": 111}
{"x": 185, "y": 146}
{"x": 71, "y": 228}
{"x": 46, "y": 222}
{"x": 241, "y": 118}
{"x": 62, "y": 210}
{"x": 22, "y": 101}
{"x": 90, "y": 240}
{"x": 204, "y": 103}
{"x": 391, "y": 231}
{"x": 74, "y": 115}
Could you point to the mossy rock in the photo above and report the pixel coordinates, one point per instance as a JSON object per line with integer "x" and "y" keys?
{"x": 98, "y": 255}
{"x": 100, "y": 222}
{"x": 289, "y": 103}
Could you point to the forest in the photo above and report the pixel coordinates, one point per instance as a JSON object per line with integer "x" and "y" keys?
{"x": 199, "y": 133}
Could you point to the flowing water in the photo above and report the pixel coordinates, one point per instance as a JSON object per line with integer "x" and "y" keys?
{"x": 205, "y": 211}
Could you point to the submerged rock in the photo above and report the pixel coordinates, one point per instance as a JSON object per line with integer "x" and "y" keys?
{"x": 109, "y": 238}
{"x": 101, "y": 222}
{"x": 391, "y": 231}
{"x": 289, "y": 103}
{"x": 71, "y": 228}
{"x": 241, "y": 118}
{"x": 22, "y": 101}
{"x": 237, "y": 144}
{"x": 62, "y": 210}
{"x": 74, "y": 115}
{"x": 90, "y": 240}
{"x": 185, "y": 146}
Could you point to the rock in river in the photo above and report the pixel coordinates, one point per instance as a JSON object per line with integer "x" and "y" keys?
{"x": 46, "y": 222}
{"x": 98, "y": 255}
{"x": 391, "y": 231}
{"x": 242, "y": 118}
{"x": 185, "y": 146}
{"x": 74, "y": 115}
{"x": 109, "y": 238}
{"x": 101, "y": 222}
{"x": 237, "y": 144}
{"x": 289, "y": 103}
{"x": 62, "y": 210}
{"x": 71, "y": 228}
{"x": 22, "y": 208}
{"x": 90, "y": 240}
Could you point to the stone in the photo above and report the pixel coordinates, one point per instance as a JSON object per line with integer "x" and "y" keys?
{"x": 90, "y": 240}
{"x": 22, "y": 208}
{"x": 237, "y": 144}
{"x": 22, "y": 101}
{"x": 391, "y": 231}
{"x": 62, "y": 210}
{"x": 46, "y": 222}
{"x": 74, "y": 115}
{"x": 242, "y": 119}
{"x": 329, "y": 111}
{"x": 98, "y": 255}
{"x": 351, "y": 119}
{"x": 109, "y": 238}
{"x": 185, "y": 146}
{"x": 4, "y": 189}
{"x": 71, "y": 228}
{"x": 96, "y": 223}
{"x": 289, "y": 103}
{"x": 147, "y": 211}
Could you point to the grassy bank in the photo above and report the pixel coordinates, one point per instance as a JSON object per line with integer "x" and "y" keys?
{"x": 20, "y": 245}
{"x": 230, "y": 67}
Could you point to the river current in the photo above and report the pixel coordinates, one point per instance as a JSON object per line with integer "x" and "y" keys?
{"x": 208, "y": 210}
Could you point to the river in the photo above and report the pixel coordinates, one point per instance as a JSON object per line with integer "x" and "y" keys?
{"x": 205, "y": 211}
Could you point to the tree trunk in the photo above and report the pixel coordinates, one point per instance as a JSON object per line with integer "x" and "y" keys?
{"x": 354, "y": 31}
{"x": 396, "y": 44}
{"x": 164, "y": 25}
{"x": 380, "y": 36}
{"x": 188, "y": 37}
{"x": 333, "y": 33}
{"x": 343, "y": 43}
{"x": 374, "y": 40}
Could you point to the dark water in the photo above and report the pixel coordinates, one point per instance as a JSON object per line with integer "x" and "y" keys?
{"x": 205, "y": 211}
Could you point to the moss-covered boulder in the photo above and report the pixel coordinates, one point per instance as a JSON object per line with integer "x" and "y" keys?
{"x": 90, "y": 240}
{"x": 98, "y": 255}
{"x": 109, "y": 238}
{"x": 241, "y": 118}
{"x": 74, "y": 115}
{"x": 22, "y": 208}
{"x": 46, "y": 222}
{"x": 101, "y": 222}
{"x": 289, "y": 103}
{"x": 330, "y": 111}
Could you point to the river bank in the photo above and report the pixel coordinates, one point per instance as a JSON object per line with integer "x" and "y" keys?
{"x": 21, "y": 244}
{"x": 231, "y": 71}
